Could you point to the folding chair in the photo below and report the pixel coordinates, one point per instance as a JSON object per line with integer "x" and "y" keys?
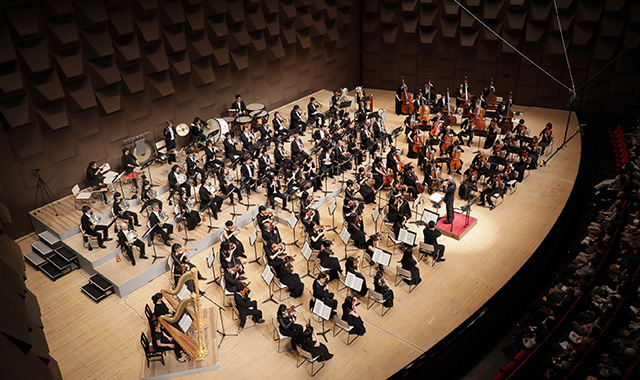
{"x": 344, "y": 326}
{"x": 377, "y": 298}
{"x": 306, "y": 356}
{"x": 404, "y": 274}
{"x": 278, "y": 336}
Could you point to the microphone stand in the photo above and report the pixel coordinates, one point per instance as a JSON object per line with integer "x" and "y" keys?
{"x": 223, "y": 332}
{"x": 233, "y": 205}
{"x": 208, "y": 205}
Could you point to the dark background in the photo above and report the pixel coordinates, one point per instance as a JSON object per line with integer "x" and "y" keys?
{"x": 79, "y": 77}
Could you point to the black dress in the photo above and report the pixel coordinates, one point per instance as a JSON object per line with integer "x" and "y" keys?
{"x": 408, "y": 263}
{"x": 308, "y": 344}
{"x": 356, "y": 322}
{"x": 291, "y": 279}
{"x": 386, "y": 292}
{"x": 288, "y": 327}
{"x": 363, "y": 290}
{"x": 192, "y": 217}
{"x": 328, "y": 261}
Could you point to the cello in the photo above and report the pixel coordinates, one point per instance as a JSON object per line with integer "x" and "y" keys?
{"x": 455, "y": 164}
{"x": 424, "y": 115}
{"x": 407, "y": 103}
{"x": 492, "y": 98}
{"x": 506, "y": 124}
{"x": 449, "y": 119}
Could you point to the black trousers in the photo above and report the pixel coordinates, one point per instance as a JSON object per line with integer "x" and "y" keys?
{"x": 164, "y": 230}
{"x": 275, "y": 195}
{"x": 131, "y": 217}
{"x": 101, "y": 232}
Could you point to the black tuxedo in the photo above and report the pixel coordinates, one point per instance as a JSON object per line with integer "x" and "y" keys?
{"x": 214, "y": 201}
{"x": 128, "y": 248}
{"x": 158, "y": 228}
{"x": 230, "y": 149}
{"x": 87, "y": 228}
{"x": 239, "y": 106}
{"x": 296, "y": 150}
{"x": 173, "y": 184}
{"x": 431, "y": 237}
{"x": 193, "y": 168}
{"x": 296, "y": 121}
{"x": 324, "y": 295}
{"x": 212, "y": 161}
{"x": 246, "y": 307}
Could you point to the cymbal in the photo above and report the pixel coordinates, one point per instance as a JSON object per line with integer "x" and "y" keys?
{"x": 182, "y": 129}
{"x": 172, "y": 151}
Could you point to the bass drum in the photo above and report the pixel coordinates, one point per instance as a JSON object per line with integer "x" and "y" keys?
{"x": 219, "y": 128}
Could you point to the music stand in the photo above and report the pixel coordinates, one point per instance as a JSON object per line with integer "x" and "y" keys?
{"x": 427, "y": 216}
{"x": 152, "y": 244}
{"x": 210, "y": 260}
{"x": 375, "y": 215}
{"x": 414, "y": 208}
{"x": 182, "y": 218}
{"x": 292, "y": 222}
{"x": 267, "y": 276}
{"x": 467, "y": 210}
{"x": 252, "y": 242}
{"x": 380, "y": 257}
{"x": 407, "y": 237}
{"x": 353, "y": 282}
{"x": 306, "y": 252}
{"x": 324, "y": 312}
{"x": 332, "y": 212}
{"x": 345, "y": 236}
{"x": 243, "y": 184}
{"x": 232, "y": 188}
{"x": 208, "y": 205}
{"x": 436, "y": 200}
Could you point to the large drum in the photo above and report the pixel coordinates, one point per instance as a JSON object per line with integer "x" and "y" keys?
{"x": 219, "y": 127}
{"x": 255, "y": 107}
{"x": 260, "y": 117}
{"x": 242, "y": 120}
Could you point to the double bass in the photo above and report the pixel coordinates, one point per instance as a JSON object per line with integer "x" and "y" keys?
{"x": 506, "y": 124}
{"x": 407, "y": 103}
{"x": 491, "y": 99}
{"x": 449, "y": 119}
{"x": 466, "y": 100}
{"x": 478, "y": 119}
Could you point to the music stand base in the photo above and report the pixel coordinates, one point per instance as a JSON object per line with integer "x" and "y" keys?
{"x": 270, "y": 299}
{"x": 155, "y": 257}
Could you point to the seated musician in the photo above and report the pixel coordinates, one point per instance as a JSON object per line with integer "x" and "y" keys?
{"x": 212, "y": 161}
{"x": 492, "y": 134}
{"x": 247, "y": 138}
{"x": 249, "y": 176}
{"x": 297, "y": 147}
{"x": 328, "y": 260}
{"x": 126, "y": 242}
{"x": 281, "y": 157}
{"x": 410, "y": 179}
{"x": 129, "y": 163}
{"x": 317, "y": 237}
{"x": 319, "y": 135}
{"x": 321, "y": 292}
{"x": 414, "y": 136}
{"x": 287, "y": 276}
{"x": 271, "y": 234}
{"x": 352, "y": 265}
{"x": 522, "y": 165}
{"x": 335, "y": 101}
{"x": 354, "y": 150}
{"x": 274, "y": 253}
{"x": 509, "y": 173}
{"x": 179, "y": 261}
{"x": 89, "y": 228}
{"x": 340, "y": 158}
{"x": 164, "y": 342}
{"x": 443, "y": 102}
{"x": 521, "y": 129}
{"x": 264, "y": 215}
{"x": 264, "y": 164}
{"x": 279, "y": 130}
{"x": 193, "y": 169}
{"x": 159, "y": 307}
{"x": 466, "y": 129}
{"x": 239, "y": 106}
{"x": 351, "y": 207}
{"x": 197, "y": 130}
{"x": 225, "y": 179}
{"x": 368, "y": 195}
{"x": 148, "y": 195}
{"x": 462, "y": 95}
{"x": 480, "y": 160}
{"x": 351, "y": 316}
{"x": 95, "y": 179}
{"x": 456, "y": 153}
{"x": 293, "y": 178}
{"x": 329, "y": 166}
{"x": 231, "y": 263}
{"x": 381, "y": 286}
{"x": 313, "y": 110}
{"x": 311, "y": 174}
{"x": 177, "y": 180}
{"x": 296, "y": 124}
{"x": 447, "y": 141}
{"x": 361, "y": 113}
{"x": 469, "y": 183}
{"x": 230, "y": 150}
{"x": 164, "y": 229}
{"x": 119, "y": 211}
{"x": 379, "y": 172}
{"x": 496, "y": 149}
{"x": 310, "y": 218}
{"x": 431, "y": 236}
{"x": 355, "y": 225}
{"x": 351, "y": 190}
{"x": 186, "y": 205}
{"x": 534, "y": 152}
{"x": 209, "y": 199}
{"x": 274, "y": 191}
{"x": 229, "y": 233}
{"x": 366, "y": 139}
{"x": 546, "y": 137}
{"x": 410, "y": 263}
{"x": 399, "y": 224}
{"x": 309, "y": 342}
{"x": 393, "y": 160}
{"x": 169, "y": 132}
{"x": 286, "y": 321}
{"x": 493, "y": 187}
{"x": 266, "y": 134}
{"x": 246, "y": 306}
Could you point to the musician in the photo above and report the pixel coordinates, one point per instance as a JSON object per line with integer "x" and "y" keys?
{"x": 340, "y": 158}
{"x": 415, "y": 136}
{"x": 225, "y": 180}
{"x": 393, "y": 160}
{"x": 313, "y": 110}
{"x": 492, "y": 134}
{"x": 129, "y": 163}
{"x": 355, "y": 226}
{"x": 368, "y": 195}
{"x": 246, "y": 306}
{"x": 494, "y": 187}
{"x": 311, "y": 174}
{"x": 319, "y": 135}
{"x": 447, "y": 141}
{"x": 361, "y": 114}
{"x": 281, "y": 157}
{"x": 297, "y": 147}
{"x": 317, "y": 237}
{"x": 522, "y": 130}
{"x": 163, "y": 342}
{"x": 159, "y": 307}
{"x": 181, "y": 264}
{"x": 249, "y": 176}
{"x": 308, "y": 340}
{"x": 443, "y": 102}
{"x": 417, "y": 102}
{"x": 196, "y": 128}
{"x": 178, "y": 181}
{"x": 469, "y": 183}
{"x": 274, "y": 253}
{"x": 486, "y": 94}
{"x": 212, "y": 161}
{"x": 379, "y": 172}
{"x": 273, "y": 192}
{"x": 399, "y": 224}
{"x": 310, "y": 218}
{"x": 231, "y": 264}
{"x": 351, "y": 316}
{"x": 456, "y": 153}
{"x": 462, "y": 94}
{"x": 428, "y": 92}
{"x": 293, "y": 177}
{"x": 399, "y": 97}
{"x": 352, "y": 265}
{"x": 431, "y": 236}
{"x": 410, "y": 178}
{"x": 229, "y": 233}
{"x": 230, "y": 150}
{"x": 164, "y": 229}
{"x": 351, "y": 190}
{"x": 479, "y": 161}
{"x": 328, "y": 165}
{"x": 366, "y": 139}
{"x": 266, "y": 134}
{"x": 191, "y": 216}
{"x": 521, "y": 166}
{"x": 264, "y": 164}
{"x": 410, "y": 263}
{"x": 286, "y": 275}
{"x": 496, "y": 150}
{"x": 95, "y": 179}
{"x": 127, "y": 246}
{"x": 286, "y": 321}
{"x": 296, "y": 124}
{"x": 546, "y": 137}
{"x": 321, "y": 292}
{"x": 354, "y": 150}
{"x": 209, "y": 199}
{"x": 193, "y": 168}
{"x": 270, "y": 233}
{"x": 119, "y": 211}
{"x": 534, "y": 152}
{"x": 97, "y": 230}
{"x": 247, "y": 139}
{"x": 351, "y": 207}
{"x": 335, "y": 101}
{"x": 381, "y": 286}
{"x": 449, "y": 188}
{"x": 361, "y": 96}
{"x": 170, "y": 141}
{"x": 466, "y": 129}
{"x": 239, "y": 106}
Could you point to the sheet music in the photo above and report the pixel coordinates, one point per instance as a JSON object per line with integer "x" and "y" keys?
{"x": 306, "y": 251}
{"x": 417, "y": 202}
{"x": 210, "y": 259}
{"x": 381, "y": 257}
{"x": 345, "y": 235}
{"x": 436, "y": 197}
{"x": 253, "y": 237}
{"x": 184, "y": 293}
{"x": 322, "y": 310}
{"x": 292, "y": 221}
{"x": 428, "y": 216}
{"x": 332, "y": 206}
{"x": 354, "y": 282}
{"x": 267, "y": 274}
{"x": 375, "y": 214}
{"x": 185, "y": 322}
{"x": 407, "y": 237}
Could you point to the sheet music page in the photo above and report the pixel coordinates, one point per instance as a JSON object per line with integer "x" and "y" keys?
{"x": 292, "y": 221}
{"x": 322, "y": 310}
{"x": 428, "y": 216}
{"x": 184, "y": 293}
{"x": 381, "y": 257}
{"x": 332, "y": 206}
{"x": 253, "y": 237}
{"x": 352, "y": 281}
{"x": 306, "y": 251}
{"x": 267, "y": 274}
{"x": 436, "y": 197}
{"x": 210, "y": 259}
{"x": 345, "y": 235}
{"x": 375, "y": 214}
{"x": 185, "y": 322}
{"x": 407, "y": 237}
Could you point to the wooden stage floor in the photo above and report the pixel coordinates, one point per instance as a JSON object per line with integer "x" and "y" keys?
{"x": 101, "y": 341}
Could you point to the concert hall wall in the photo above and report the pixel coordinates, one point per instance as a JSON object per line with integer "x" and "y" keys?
{"x": 438, "y": 38}
{"x": 79, "y": 77}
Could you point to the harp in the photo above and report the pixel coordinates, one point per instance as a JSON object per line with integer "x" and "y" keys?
{"x": 196, "y": 349}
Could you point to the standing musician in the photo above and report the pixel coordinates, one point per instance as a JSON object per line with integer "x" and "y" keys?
{"x": 197, "y": 129}
{"x": 368, "y": 195}
{"x": 239, "y": 106}
{"x": 321, "y": 292}
{"x": 122, "y": 212}
{"x": 127, "y": 239}
{"x": 546, "y": 137}
{"x": 486, "y": 94}
{"x": 351, "y": 316}
{"x": 296, "y": 124}
{"x": 399, "y": 94}
{"x": 264, "y": 164}
{"x": 431, "y": 236}
{"x": 380, "y": 285}
{"x": 225, "y": 180}
{"x": 159, "y": 226}
{"x": 212, "y": 161}
{"x": 209, "y": 199}
{"x": 449, "y": 188}
{"x": 278, "y": 126}
{"x": 249, "y": 176}
{"x": 246, "y": 306}
{"x": 495, "y": 186}
{"x": 287, "y": 276}
{"x": 230, "y": 150}
{"x": 95, "y": 179}
{"x": 297, "y": 147}
{"x": 311, "y": 173}
{"x": 177, "y": 180}
{"x": 462, "y": 94}
{"x": 229, "y": 233}
{"x": 170, "y": 141}
{"x": 417, "y": 102}
{"x": 312, "y": 109}
{"x": 193, "y": 169}
{"x": 90, "y": 227}
{"x": 466, "y": 129}
{"x": 273, "y": 192}
{"x": 129, "y": 162}
{"x": 247, "y": 138}
{"x": 428, "y": 92}
{"x": 191, "y": 216}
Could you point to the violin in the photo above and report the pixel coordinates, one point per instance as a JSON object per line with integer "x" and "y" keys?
{"x": 277, "y": 247}
{"x": 235, "y": 268}
{"x": 291, "y": 310}
{"x": 245, "y": 289}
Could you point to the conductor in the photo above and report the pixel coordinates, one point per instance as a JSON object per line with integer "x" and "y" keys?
{"x": 449, "y": 188}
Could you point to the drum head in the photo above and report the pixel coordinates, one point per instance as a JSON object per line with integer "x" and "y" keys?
{"x": 182, "y": 129}
{"x": 243, "y": 119}
{"x": 143, "y": 150}
{"x": 255, "y": 107}
{"x": 253, "y": 114}
{"x": 214, "y": 126}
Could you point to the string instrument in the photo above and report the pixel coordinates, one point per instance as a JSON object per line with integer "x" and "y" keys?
{"x": 478, "y": 119}
{"x": 449, "y": 119}
{"x": 387, "y": 179}
{"x": 497, "y": 150}
{"x": 407, "y": 103}
{"x": 506, "y": 124}
{"x": 277, "y": 247}
{"x": 466, "y": 100}
{"x": 419, "y": 185}
{"x": 446, "y": 142}
{"x": 417, "y": 142}
{"x": 492, "y": 98}
{"x": 424, "y": 114}
{"x": 291, "y": 310}
{"x": 437, "y": 127}
{"x": 235, "y": 269}
{"x": 429, "y": 156}
{"x": 455, "y": 163}
{"x": 245, "y": 288}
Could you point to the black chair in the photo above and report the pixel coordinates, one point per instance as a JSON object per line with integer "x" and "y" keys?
{"x": 149, "y": 314}
{"x": 149, "y": 351}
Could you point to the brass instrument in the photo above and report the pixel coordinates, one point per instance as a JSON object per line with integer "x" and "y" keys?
{"x": 152, "y": 193}
{"x": 191, "y": 203}
{"x": 229, "y": 179}
{"x": 124, "y": 206}
{"x": 211, "y": 189}
{"x": 163, "y": 216}
{"x": 181, "y": 178}
{"x": 94, "y": 219}
{"x": 131, "y": 236}
{"x": 196, "y": 349}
